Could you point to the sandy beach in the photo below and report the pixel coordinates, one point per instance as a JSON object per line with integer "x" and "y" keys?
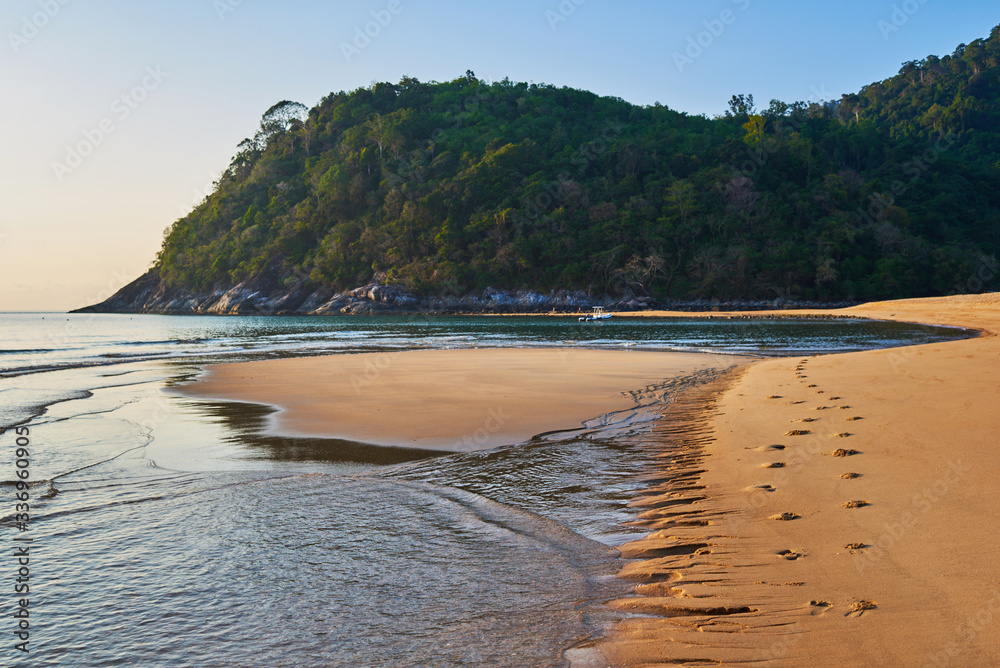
{"x": 832, "y": 510}
{"x": 450, "y": 400}
{"x": 842, "y": 512}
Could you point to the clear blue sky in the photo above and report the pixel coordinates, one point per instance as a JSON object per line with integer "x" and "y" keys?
{"x": 196, "y": 75}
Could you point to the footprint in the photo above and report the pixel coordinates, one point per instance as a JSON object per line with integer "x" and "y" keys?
{"x": 784, "y": 517}
{"x": 855, "y": 546}
{"x": 797, "y": 432}
{"x": 793, "y": 403}
{"x": 844, "y": 434}
{"x": 791, "y": 555}
{"x": 834, "y": 398}
{"x": 849, "y": 476}
{"x": 806, "y": 420}
{"x": 774, "y": 396}
{"x": 854, "y": 417}
{"x": 844, "y": 408}
{"x": 820, "y": 391}
{"x": 760, "y": 488}
{"x": 819, "y": 607}
{"x": 855, "y": 504}
{"x": 812, "y": 385}
{"x": 821, "y": 408}
{"x": 774, "y": 465}
{"x": 859, "y": 607}
{"x": 841, "y": 452}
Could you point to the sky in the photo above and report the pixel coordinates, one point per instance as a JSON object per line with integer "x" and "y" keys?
{"x": 118, "y": 115}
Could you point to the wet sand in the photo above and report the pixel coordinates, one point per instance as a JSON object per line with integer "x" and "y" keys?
{"x": 450, "y": 400}
{"x": 840, "y": 510}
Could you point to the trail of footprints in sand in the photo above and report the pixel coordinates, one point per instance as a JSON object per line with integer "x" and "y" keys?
{"x": 856, "y": 607}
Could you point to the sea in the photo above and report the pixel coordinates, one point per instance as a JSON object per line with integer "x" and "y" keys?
{"x": 140, "y": 527}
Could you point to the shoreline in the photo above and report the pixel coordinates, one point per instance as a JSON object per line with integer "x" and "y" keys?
{"x": 149, "y": 294}
{"x": 844, "y": 512}
{"x": 680, "y": 438}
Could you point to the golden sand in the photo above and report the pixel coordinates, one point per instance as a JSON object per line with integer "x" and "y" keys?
{"x": 888, "y": 549}
{"x": 450, "y": 400}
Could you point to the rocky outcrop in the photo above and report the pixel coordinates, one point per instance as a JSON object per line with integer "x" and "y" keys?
{"x": 149, "y": 294}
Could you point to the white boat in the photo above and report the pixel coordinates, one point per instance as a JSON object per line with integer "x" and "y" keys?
{"x": 597, "y": 314}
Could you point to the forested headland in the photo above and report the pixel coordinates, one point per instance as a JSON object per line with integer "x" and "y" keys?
{"x": 462, "y": 185}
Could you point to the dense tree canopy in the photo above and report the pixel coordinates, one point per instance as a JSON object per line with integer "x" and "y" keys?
{"x": 892, "y": 192}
